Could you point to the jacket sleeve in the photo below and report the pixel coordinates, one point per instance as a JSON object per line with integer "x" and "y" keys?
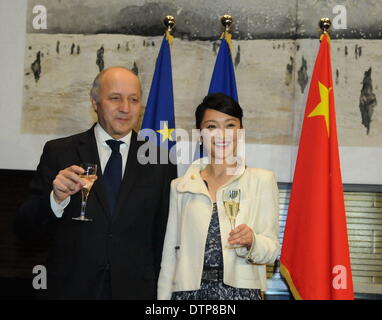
{"x": 168, "y": 264}
{"x": 35, "y": 218}
{"x": 266, "y": 246}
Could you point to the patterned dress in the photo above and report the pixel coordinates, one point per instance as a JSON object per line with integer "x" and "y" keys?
{"x": 213, "y": 259}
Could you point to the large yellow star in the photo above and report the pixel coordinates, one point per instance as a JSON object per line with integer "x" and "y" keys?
{"x": 322, "y": 109}
{"x": 166, "y": 132}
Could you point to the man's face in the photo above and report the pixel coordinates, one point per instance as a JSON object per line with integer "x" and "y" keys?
{"x": 119, "y": 104}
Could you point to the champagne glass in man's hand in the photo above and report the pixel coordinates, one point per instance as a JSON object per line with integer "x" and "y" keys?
{"x": 89, "y": 177}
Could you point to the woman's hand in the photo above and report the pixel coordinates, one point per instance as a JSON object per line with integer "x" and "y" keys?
{"x": 242, "y": 235}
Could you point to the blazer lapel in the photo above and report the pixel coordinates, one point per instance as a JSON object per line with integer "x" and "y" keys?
{"x": 88, "y": 152}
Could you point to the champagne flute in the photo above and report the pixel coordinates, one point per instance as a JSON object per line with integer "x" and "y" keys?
{"x": 90, "y": 176}
{"x": 231, "y": 200}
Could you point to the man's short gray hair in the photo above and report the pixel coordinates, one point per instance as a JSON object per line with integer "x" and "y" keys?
{"x": 94, "y": 91}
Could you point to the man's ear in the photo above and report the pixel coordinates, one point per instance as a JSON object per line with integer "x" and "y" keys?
{"x": 94, "y": 104}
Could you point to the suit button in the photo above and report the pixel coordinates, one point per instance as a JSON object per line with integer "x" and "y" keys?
{"x": 110, "y": 235}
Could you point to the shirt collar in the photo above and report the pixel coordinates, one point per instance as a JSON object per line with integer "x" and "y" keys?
{"x": 102, "y": 136}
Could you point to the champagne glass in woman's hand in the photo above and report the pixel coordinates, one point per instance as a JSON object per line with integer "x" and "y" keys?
{"x": 231, "y": 200}
{"x": 89, "y": 176}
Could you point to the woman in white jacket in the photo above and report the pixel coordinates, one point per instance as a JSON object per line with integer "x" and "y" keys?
{"x": 197, "y": 262}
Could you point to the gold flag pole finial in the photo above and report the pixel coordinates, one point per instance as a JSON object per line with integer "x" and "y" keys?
{"x": 325, "y": 24}
{"x": 169, "y": 22}
{"x": 227, "y": 22}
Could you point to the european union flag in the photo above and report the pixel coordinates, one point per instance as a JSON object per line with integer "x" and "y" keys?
{"x": 223, "y": 77}
{"x": 159, "y": 114}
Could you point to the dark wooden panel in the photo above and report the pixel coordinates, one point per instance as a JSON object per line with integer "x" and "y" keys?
{"x": 17, "y": 258}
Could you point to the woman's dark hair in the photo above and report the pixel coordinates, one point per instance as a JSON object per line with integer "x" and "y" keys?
{"x": 219, "y": 102}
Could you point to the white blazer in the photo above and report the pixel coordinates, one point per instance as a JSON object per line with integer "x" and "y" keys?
{"x": 188, "y": 222}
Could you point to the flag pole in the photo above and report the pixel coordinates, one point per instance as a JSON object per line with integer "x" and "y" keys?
{"x": 227, "y": 22}
{"x": 325, "y": 24}
{"x": 169, "y": 22}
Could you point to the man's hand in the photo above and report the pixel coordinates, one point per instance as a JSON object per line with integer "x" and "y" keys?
{"x": 67, "y": 183}
{"x": 242, "y": 235}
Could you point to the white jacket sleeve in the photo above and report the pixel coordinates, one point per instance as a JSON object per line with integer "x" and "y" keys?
{"x": 266, "y": 246}
{"x": 168, "y": 264}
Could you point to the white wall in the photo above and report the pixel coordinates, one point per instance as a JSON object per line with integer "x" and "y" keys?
{"x": 17, "y": 151}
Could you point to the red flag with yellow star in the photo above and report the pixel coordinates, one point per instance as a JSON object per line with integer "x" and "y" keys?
{"x": 315, "y": 253}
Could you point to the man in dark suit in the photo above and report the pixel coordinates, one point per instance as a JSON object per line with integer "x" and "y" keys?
{"x": 117, "y": 254}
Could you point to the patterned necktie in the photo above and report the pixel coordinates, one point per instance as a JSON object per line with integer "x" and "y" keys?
{"x": 113, "y": 172}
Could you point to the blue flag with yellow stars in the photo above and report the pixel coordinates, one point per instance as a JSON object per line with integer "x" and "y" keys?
{"x": 223, "y": 77}
{"x": 159, "y": 114}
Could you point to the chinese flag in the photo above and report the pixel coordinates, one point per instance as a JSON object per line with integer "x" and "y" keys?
{"x": 315, "y": 254}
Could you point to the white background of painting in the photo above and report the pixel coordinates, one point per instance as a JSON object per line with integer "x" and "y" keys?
{"x": 22, "y": 151}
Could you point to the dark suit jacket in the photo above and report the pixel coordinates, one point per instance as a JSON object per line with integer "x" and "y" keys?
{"x": 128, "y": 243}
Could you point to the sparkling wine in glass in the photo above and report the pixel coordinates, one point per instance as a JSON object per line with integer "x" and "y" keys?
{"x": 231, "y": 200}
{"x": 89, "y": 176}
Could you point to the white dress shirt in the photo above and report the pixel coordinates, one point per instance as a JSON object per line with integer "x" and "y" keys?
{"x": 104, "y": 152}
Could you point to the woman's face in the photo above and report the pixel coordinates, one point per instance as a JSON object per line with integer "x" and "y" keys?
{"x": 219, "y": 133}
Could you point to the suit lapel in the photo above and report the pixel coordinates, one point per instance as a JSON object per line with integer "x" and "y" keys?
{"x": 88, "y": 153}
